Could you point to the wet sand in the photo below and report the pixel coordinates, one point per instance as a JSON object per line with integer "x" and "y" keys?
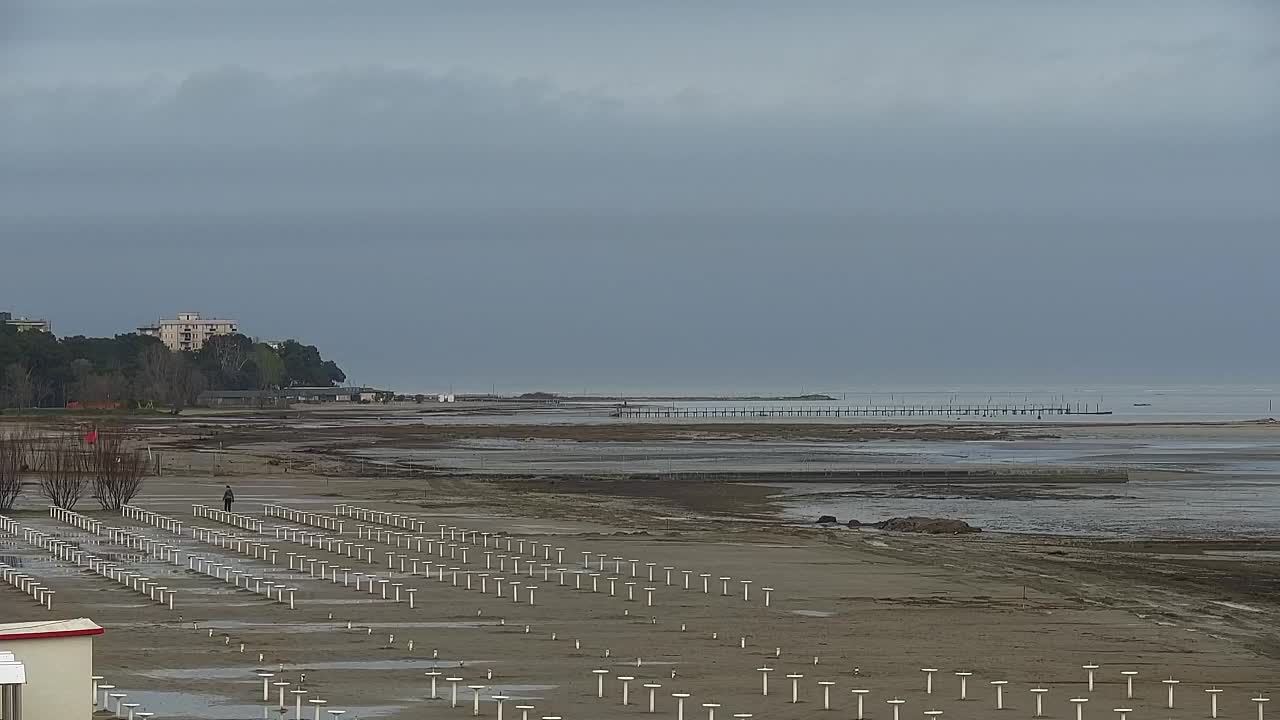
{"x": 1025, "y": 609}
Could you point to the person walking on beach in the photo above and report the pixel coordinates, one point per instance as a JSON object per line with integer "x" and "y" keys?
{"x": 228, "y": 497}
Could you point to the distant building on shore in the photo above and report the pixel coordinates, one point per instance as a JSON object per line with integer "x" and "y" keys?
{"x": 24, "y": 324}
{"x": 188, "y": 331}
{"x": 242, "y": 399}
{"x": 337, "y": 394}
{"x": 285, "y": 397}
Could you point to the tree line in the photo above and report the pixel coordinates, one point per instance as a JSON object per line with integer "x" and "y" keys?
{"x": 40, "y": 370}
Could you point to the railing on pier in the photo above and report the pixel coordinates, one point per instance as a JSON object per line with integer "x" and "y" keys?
{"x": 980, "y": 410}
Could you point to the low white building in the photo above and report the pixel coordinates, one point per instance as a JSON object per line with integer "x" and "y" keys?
{"x": 56, "y": 657}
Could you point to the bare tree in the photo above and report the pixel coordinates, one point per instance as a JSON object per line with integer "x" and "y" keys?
{"x": 185, "y": 383}
{"x": 15, "y": 448}
{"x": 231, "y": 353}
{"x": 101, "y": 388}
{"x": 62, "y": 473}
{"x": 19, "y": 386}
{"x": 81, "y": 381}
{"x": 42, "y": 392}
{"x": 168, "y": 378}
{"x": 117, "y": 470}
{"x": 153, "y": 371}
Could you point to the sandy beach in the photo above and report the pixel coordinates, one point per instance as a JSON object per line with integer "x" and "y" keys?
{"x": 863, "y": 609}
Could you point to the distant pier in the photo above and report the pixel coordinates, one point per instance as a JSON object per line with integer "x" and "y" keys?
{"x": 980, "y": 410}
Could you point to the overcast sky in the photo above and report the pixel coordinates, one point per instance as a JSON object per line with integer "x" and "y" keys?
{"x": 350, "y": 151}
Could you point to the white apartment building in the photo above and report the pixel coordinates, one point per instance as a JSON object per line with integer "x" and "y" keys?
{"x": 24, "y": 324}
{"x": 188, "y": 331}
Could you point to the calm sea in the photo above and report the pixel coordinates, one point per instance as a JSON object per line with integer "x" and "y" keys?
{"x": 1193, "y": 474}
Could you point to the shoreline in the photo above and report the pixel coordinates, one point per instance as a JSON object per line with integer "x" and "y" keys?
{"x": 889, "y": 603}
{"x": 892, "y": 470}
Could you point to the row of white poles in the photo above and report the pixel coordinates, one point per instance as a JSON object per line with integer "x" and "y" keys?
{"x": 155, "y": 519}
{"x": 156, "y": 549}
{"x": 244, "y": 522}
{"x": 121, "y": 706}
{"x": 327, "y": 570}
{"x": 134, "y": 541}
{"x": 315, "y": 567}
{"x": 230, "y": 574}
{"x": 410, "y": 565}
{"x": 379, "y": 587}
{"x": 303, "y": 517}
{"x": 18, "y": 579}
{"x": 405, "y": 539}
{"x": 403, "y": 563}
{"x": 353, "y": 550}
{"x": 72, "y": 553}
{"x": 381, "y": 517}
{"x": 503, "y": 586}
{"x": 388, "y": 537}
{"x": 163, "y": 595}
{"x": 475, "y": 696}
{"x": 69, "y": 552}
{"x": 75, "y": 519}
{"x": 276, "y": 591}
{"x": 27, "y": 584}
{"x": 451, "y": 535}
{"x": 298, "y": 693}
{"x": 224, "y": 572}
{"x": 231, "y": 541}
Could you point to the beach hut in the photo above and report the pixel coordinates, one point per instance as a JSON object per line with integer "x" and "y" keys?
{"x": 54, "y": 661}
{"x": 13, "y": 675}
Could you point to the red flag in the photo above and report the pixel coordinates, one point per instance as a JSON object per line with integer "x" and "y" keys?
{"x": 91, "y": 437}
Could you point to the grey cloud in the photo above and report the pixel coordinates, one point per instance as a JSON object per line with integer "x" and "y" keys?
{"x": 359, "y": 106}
{"x": 997, "y": 63}
{"x": 562, "y": 191}
{"x": 888, "y": 107}
{"x": 366, "y": 105}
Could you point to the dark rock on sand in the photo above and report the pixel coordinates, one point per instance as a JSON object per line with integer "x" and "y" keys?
{"x": 933, "y": 526}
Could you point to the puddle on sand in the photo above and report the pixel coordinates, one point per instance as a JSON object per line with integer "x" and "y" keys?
{"x": 45, "y": 572}
{"x": 371, "y": 601}
{"x": 1236, "y": 606}
{"x": 467, "y": 625}
{"x": 385, "y": 664}
{"x": 273, "y": 628}
{"x": 297, "y": 628}
{"x": 240, "y": 673}
{"x": 215, "y": 707}
{"x": 813, "y": 613}
{"x": 209, "y": 591}
{"x": 512, "y": 692}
